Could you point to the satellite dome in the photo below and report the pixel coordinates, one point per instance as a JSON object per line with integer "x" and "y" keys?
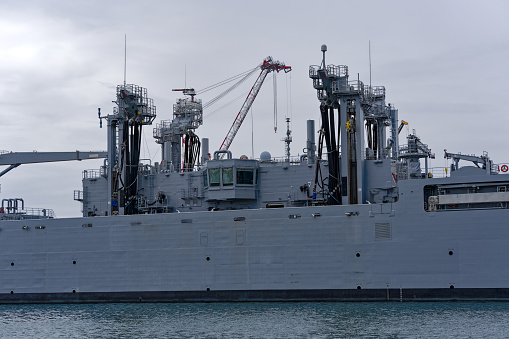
{"x": 265, "y": 156}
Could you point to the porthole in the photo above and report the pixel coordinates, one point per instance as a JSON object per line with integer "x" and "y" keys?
{"x": 358, "y": 254}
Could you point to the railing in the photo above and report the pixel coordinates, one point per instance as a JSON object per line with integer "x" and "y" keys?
{"x": 331, "y": 70}
{"x": 339, "y": 86}
{"x": 160, "y": 129}
{"x": 356, "y": 86}
{"x": 317, "y": 83}
{"x": 78, "y": 195}
{"x": 94, "y": 173}
{"x": 313, "y": 71}
{"x": 296, "y": 159}
{"x": 439, "y": 172}
{"x": 370, "y": 154}
{"x": 374, "y": 91}
{"x": 338, "y": 71}
{"x": 28, "y": 213}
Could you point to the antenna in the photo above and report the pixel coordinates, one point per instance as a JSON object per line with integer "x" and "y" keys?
{"x": 252, "y": 134}
{"x": 369, "y": 63}
{"x": 125, "y": 57}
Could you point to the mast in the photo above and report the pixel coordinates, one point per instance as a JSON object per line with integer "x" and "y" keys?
{"x": 134, "y": 109}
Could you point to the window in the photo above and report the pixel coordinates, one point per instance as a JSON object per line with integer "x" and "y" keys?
{"x": 214, "y": 176}
{"x": 244, "y": 176}
{"x": 227, "y": 176}
{"x": 205, "y": 180}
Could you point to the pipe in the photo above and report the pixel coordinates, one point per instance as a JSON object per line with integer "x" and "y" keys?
{"x": 228, "y": 153}
{"x": 310, "y": 143}
{"x": 205, "y": 150}
{"x": 22, "y": 204}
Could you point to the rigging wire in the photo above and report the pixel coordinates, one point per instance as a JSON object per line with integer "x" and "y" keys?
{"x": 220, "y": 83}
{"x": 252, "y": 134}
{"x": 243, "y": 95}
{"x": 287, "y": 108}
{"x": 231, "y": 88}
{"x": 289, "y": 98}
{"x": 274, "y": 84}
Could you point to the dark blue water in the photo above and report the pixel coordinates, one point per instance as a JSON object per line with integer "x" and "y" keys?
{"x": 257, "y": 320}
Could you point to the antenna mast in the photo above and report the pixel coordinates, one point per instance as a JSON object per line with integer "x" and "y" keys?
{"x": 369, "y": 63}
{"x": 125, "y": 57}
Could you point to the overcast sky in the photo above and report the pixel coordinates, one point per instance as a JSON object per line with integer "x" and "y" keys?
{"x": 444, "y": 65}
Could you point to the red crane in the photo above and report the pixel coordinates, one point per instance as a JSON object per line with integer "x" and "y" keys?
{"x": 266, "y": 67}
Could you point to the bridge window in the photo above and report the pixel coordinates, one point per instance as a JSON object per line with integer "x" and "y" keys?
{"x": 214, "y": 177}
{"x": 227, "y": 176}
{"x": 244, "y": 176}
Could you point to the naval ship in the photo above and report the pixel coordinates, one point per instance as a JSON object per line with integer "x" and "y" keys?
{"x": 358, "y": 216}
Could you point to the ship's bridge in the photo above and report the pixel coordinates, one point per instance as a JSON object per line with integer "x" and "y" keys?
{"x": 230, "y": 179}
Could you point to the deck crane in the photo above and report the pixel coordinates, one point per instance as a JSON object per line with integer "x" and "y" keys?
{"x": 266, "y": 67}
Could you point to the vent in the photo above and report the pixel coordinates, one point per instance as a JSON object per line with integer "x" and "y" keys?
{"x": 383, "y": 231}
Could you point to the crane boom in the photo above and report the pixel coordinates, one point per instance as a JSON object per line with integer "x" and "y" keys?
{"x": 267, "y": 66}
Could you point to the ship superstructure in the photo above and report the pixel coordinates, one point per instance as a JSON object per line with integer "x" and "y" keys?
{"x": 358, "y": 216}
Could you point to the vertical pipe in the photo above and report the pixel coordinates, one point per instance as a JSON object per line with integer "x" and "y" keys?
{"x": 359, "y": 150}
{"x": 112, "y": 154}
{"x": 205, "y": 150}
{"x": 310, "y": 143}
{"x": 394, "y": 132}
{"x": 344, "y": 151}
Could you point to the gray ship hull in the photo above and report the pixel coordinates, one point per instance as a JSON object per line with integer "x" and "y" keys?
{"x": 358, "y": 252}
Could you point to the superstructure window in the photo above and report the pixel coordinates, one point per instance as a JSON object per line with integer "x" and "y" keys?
{"x": 205, "y": 179}
{"x": 227, "y": 176}
{"x": 214, "y": 177}
{"x": 244, "y": 176}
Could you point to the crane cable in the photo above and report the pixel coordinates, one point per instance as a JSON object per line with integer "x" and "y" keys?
{"x": 274, "y": 85}
{"x": 220, "y": 83}
{"x": 289, "y": 111}
{"x": 231, "y": 88}
{"x": 243, "y": 95}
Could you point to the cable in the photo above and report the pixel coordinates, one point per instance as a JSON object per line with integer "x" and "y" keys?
{"x": 211, "y": 87}
{"x": 235, "y": 85}
{"x": 226, "y": 105}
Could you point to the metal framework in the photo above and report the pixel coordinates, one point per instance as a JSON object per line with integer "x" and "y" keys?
{"x": 267, "y": 66}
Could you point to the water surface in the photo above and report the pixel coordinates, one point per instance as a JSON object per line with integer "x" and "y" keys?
{"x": 258, "y": 320}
